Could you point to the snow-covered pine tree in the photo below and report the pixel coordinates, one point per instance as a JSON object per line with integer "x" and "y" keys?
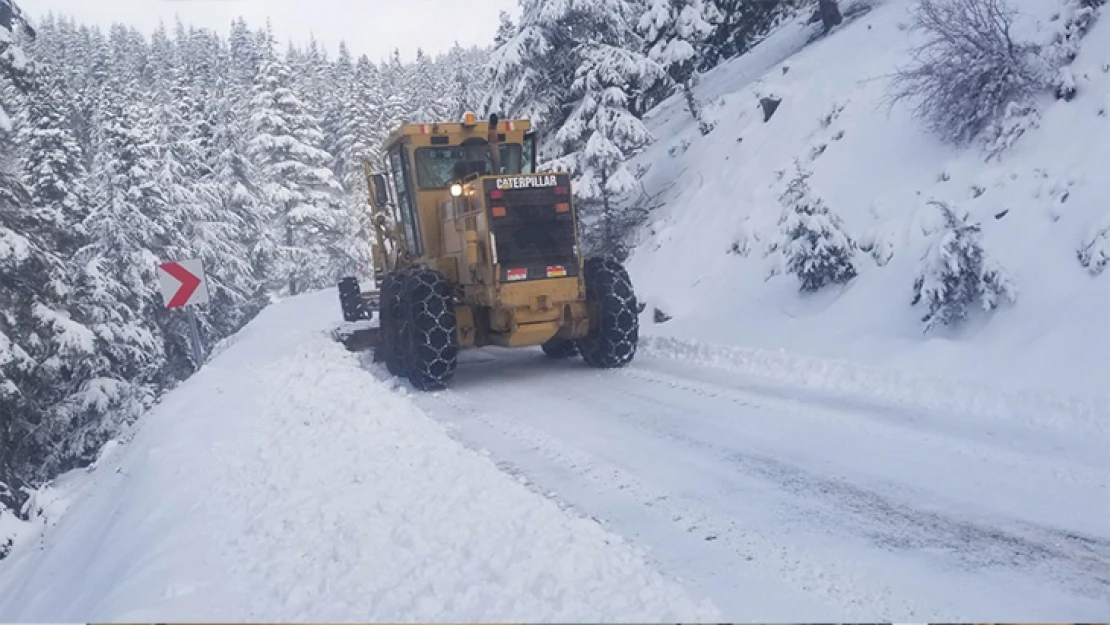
{"x": 397, "y": 104}
{"x": 428, "y": 103}
{"x": 307, "y": 250}
{"x": 739, "y": 26}
{"x": 367, "y": 124}
{"x": 225, "y": 238}
{"x": 505, "y": 29}
{"x": 38, "y": 339}
{"x": 673, "y": 31}
{"x": 957, "y": 273}
{"x": 115, "y": 293}
{"x": 337, "y": 120}
{"x": 530, "y": 75}
{"x": 601, "y": 133}
{"x": 54, "y": 168}
{"x": 243, "y": 60}
{"x": 812, "y": 238}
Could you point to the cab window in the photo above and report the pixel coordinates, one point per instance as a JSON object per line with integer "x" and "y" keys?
{"x": 405, "y": 204}
{"x": 435, "y": 167}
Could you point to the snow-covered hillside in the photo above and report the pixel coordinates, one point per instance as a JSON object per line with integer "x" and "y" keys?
{"x": 704, "y": 259}
{"x": 283, "y": 482}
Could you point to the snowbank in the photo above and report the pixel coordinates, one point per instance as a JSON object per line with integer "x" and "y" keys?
{"x": 704, "y": 255}
{"x": 285, "y": 483}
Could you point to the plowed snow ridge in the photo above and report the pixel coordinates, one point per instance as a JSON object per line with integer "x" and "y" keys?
{"x": 285, "y": 483}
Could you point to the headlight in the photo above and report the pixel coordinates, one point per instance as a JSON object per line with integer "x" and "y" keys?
{"x": 456, "y": 190}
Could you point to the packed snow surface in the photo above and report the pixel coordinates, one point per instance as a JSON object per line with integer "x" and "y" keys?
{"x": 285, "y": 483}
{"x": 798, "y": 492}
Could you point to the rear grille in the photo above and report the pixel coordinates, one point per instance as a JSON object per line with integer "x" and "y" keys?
{"x": 533, "y": 240}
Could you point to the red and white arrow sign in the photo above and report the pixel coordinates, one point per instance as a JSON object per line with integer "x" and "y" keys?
{"x": 183, "y": 283}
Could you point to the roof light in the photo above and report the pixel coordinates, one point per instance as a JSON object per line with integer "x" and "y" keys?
{"x": 456, "y": 190}
{"x": 470, "y": 119}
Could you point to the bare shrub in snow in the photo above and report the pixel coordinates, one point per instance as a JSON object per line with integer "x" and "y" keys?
{"x": 969, "y": 68}
{"x": 1095, "y": 253}
{"x": 813, "y": 240}
{"x": 958, "y": 273}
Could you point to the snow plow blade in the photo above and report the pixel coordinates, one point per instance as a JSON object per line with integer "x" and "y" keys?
{"x": 357, "y": 336}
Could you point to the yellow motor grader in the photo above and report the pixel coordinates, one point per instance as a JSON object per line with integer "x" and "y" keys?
{"x": 474, "y": 248}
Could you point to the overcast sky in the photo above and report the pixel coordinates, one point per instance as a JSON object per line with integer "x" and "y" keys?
{"x": 373, "y": 27}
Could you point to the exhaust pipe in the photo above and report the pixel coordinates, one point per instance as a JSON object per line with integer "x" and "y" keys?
{"x": 494, "y": 145}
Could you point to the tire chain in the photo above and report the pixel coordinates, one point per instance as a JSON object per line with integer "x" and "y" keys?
{"x": 430, "y": 329}
{"x": 613, "y": 343}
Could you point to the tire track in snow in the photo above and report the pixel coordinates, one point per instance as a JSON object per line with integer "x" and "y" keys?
{"x": 530, "y": 430}
{"x": 1074, "y": 560}
{"x": 744, "y": 552}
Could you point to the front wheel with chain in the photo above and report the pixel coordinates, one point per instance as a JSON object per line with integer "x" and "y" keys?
{"x": 612, "y": 341}
{"x": 430, "y": 333}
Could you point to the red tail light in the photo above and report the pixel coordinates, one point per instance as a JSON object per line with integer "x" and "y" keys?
{"x": 562, "y": 190}
{"x": 496, "y": 194}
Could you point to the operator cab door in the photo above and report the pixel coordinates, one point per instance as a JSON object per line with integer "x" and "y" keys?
{"x": 406, "y": 200}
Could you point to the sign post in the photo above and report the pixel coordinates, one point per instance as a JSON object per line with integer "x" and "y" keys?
{"x": 184, "y": 285}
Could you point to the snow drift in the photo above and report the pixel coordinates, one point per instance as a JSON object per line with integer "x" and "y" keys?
{"x": 284, "y": 482}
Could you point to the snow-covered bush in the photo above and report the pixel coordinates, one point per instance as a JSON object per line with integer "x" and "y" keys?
{"x": 1065, "y": 84}
{"x": 1095, "y": 251}
{"x": 1065, "y": 47}
{"x": 957, "y": 273}
{"x": 1003, "y": 133}
{"x": 812, "y": 238}
{"x": 968, "y": 69}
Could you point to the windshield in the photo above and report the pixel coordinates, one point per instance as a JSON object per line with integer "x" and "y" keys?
{"x": 435, "y": 167}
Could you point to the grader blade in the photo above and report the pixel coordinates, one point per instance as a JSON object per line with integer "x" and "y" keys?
{"x": 357, "y": 337}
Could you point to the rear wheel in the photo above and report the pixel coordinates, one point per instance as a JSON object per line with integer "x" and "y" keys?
{"x": 612, "y": 343}
{"x": 560, "y": 349}
{"x": 430, "y": 332}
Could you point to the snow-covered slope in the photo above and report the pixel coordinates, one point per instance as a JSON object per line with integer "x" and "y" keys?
{"x": 283, "y": 482}
{"x": 704, "y": 263}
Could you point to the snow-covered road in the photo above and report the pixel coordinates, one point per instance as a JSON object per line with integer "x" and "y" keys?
{"x": 291, "y": 480}
{"x": 784, "y": 503}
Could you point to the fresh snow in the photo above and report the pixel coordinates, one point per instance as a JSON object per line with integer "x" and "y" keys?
{"x": 284, "y": 483}
{"x": 703, "y": 260}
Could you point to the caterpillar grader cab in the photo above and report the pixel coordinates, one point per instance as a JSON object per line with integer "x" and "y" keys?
{"x": 474, "y": 247}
